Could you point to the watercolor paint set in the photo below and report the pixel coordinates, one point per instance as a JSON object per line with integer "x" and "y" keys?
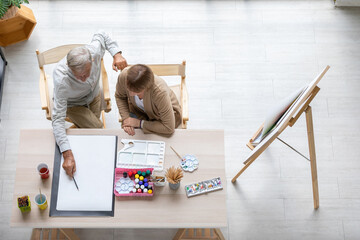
{"x": 203, "y": 187}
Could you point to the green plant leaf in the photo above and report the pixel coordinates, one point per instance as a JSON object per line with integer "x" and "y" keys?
{"x": 6, "y": 4}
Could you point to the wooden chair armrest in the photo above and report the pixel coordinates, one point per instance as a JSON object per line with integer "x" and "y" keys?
{"x": 105, "y": 82}
{"x": 184, "y": 99}
{"x": 43, "y": 91}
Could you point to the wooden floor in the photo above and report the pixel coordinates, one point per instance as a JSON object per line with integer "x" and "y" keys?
{"x": 242, "y": 56}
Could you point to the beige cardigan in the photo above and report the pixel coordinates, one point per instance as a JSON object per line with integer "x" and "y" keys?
{"x": 162, "y": 109}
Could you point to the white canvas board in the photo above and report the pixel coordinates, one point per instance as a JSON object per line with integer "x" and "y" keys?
{"x": 278, "y": 110}
{"x": 286, "y": 118}
{"x": 261, "y": 136}
{"x": 95, "y": 160}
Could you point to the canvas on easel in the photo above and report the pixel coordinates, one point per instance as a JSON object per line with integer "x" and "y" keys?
{"x": 300, "y": 105}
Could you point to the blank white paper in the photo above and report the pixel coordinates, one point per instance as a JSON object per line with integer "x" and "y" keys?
{"x": 95, "y": 160}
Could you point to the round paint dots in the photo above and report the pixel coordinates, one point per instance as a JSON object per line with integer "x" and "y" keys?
{"x": 142, "y": 186}
{"x": 141, "y": 182}
{"x": 137, "y": 185}
{"x": 150, "y": 191}
{"x": 146, "y": 184}
{"x": 130, "y": 174}
{"x": 125, "y": 174}
{"x": 137, "y": 180}
{"x": 139, "y": 172}
{"x": 141, "y": 178}
{"x": 136, "y": 175}
{"x": 145, "y": 190}
{"x": 139, "y": 190}
{"x": 143, "y": 173}
{"x": 145, "y": 180}
{"x": 148, "y": 172}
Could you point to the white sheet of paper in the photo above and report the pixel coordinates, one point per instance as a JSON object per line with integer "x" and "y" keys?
{"x": 95, "y": 160}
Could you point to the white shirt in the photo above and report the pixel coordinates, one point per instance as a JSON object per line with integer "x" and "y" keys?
{"x": 139, "y": 102}
{"x": 69, "y": 92}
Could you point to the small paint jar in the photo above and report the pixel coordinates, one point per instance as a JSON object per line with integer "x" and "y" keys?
{"x": 24, "y": 204}
{"x": 41, "y": 201}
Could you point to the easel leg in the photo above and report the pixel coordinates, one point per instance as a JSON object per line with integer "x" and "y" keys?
{"x": 242, "y": 170}
{"x": 311, "y": 141}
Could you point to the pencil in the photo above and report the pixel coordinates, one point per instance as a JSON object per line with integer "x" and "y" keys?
{"x": 75, "y": 183}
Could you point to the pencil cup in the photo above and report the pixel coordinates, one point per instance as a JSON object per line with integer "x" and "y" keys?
{"x": 41, "y": 202}
{"x": 174, "y": 186}
{"x": 24, "y": 204}
{"x": 43, "y": 170}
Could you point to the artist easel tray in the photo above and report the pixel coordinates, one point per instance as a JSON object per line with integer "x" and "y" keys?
{"x": 141, "y": 154}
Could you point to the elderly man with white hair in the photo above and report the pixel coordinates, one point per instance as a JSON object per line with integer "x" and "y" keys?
{"x": 77, "y": 90}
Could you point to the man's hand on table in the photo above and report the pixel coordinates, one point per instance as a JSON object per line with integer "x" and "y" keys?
{"x": 69, "y": 163}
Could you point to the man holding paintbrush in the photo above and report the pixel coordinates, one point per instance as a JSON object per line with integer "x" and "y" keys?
{"x": 77, "y": 90}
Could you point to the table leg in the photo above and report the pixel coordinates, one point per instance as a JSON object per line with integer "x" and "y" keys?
{"x": 218, "y": 232}
{"x": 180, "y": 233}
{"x": 54, "y": 232}
{"x": 69, "y": 234}
{"x": 35, "y": 235}
{"x": 199, "y": 234}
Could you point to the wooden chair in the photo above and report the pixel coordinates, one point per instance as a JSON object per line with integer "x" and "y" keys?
{"x": 180, "y": 90}
{"x": 54, "y": 55}
{"x": 199, "y": 233}
{"x": 53, "y": 234}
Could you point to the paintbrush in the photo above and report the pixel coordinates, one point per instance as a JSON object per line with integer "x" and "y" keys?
{"x": 176, "y": 153}
{"x": 40, "y": 195}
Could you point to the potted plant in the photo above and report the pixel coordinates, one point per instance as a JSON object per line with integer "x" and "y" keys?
{"x": 174, "y": 176}
{"x": 16, "y": 22}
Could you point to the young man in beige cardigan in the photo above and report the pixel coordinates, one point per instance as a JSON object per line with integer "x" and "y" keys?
{"x": 145, "y": 101}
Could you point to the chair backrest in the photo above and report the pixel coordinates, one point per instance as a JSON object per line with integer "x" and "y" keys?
{"x": 179, "y": 90}
{"x": 169, "y": 69}
{"x": 54, "y": 55}
{"x": 50, "y": 56}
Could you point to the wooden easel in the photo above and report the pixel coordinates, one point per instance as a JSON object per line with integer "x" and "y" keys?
{"x": 310, "y": 132}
